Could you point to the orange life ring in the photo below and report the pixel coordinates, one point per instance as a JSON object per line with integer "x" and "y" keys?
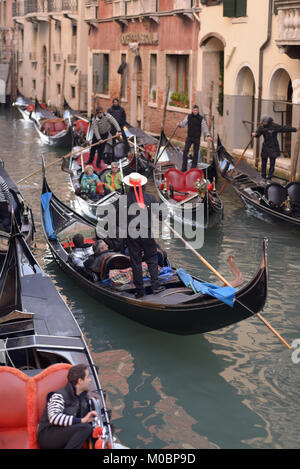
{"x": 100, "y": 188}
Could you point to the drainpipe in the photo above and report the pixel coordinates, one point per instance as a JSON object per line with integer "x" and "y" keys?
{"x": 260, "y": 74}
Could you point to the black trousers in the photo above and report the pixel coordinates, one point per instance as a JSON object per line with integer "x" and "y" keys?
{"x": 72, "y": 437}
{"x": 5, "y": 221}
{"x": 188, "y": 143}
{"x": 264, "y": 161}
{"x": 138, "y": 247}
{"x": 97, "y": 148}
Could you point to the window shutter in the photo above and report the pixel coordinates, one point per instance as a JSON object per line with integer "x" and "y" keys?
{"x": 229, "y": 8}
{"x": 241, "y": 8}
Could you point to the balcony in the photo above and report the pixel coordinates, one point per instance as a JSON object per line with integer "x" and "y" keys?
{"x": 57, "y": 58}
{"x": 288, "y": 40}
{"x": 72, "y": 59}
{"x": 18, "y": 9}
{"x": 131, "y": 8}
{"x": 46, "y": 6}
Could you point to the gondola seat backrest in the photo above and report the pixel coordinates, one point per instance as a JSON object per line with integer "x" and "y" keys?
{"x": 276, "y": 194}
{"x": 293, "y": 189}
{"x": 22, "y": 401}
{"x": 114, "y": 261}
{"x": 191, "y": 176}
{"x": 82, "y": 126}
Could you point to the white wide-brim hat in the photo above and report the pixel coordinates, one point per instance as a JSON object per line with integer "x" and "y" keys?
{"x": 135, "y": 178}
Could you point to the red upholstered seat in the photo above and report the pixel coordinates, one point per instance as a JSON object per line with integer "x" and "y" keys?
{"x": 86, "y": 156}
{"x": 191, "y": 177}
{"x": 176, "y": 178}
{"x": 183, "y": 182}
{"x": 82, "y": 126}
{"x": 22, "y": 400}
{"x": 59, "y": 126}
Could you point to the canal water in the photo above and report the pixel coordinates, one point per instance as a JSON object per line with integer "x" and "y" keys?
{"x": 238, "y": 387}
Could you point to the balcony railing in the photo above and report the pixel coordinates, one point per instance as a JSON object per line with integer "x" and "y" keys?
{"x": 72, "y": 59}
{"x": 57, "y": 58}
{"x": 40, "y": 6}
{"x": 18, "y": 9}
{"x": 288, "y": 39}
{"x": 32, "y": 56}
{"x": 134, "y": 7}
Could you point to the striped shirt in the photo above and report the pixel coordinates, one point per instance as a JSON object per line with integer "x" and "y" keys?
{"x": 4, "y": 191}
{"x": 56, "y": 416}
{"x": 103, "y": 125}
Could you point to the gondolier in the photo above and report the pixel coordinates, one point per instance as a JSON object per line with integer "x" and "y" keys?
{"x": 196, "y": 126}
{"x": 145, "y": 243}
{"x": 270, "y": 149}
{"x": 119, "y": 113}
{"x": 101, "y": 126}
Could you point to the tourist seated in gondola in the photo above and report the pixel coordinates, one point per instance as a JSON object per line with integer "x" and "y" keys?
{"x": 113, "y": 179}
{"x": 91, "y": 186}
{"x": 80, "y": 252}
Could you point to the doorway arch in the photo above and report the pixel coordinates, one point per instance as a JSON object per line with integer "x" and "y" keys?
{"x": 244, "y": 109}
{"x": 281, "y": 94}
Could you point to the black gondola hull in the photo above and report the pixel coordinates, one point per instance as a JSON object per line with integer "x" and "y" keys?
{"x": 195, "y": 314}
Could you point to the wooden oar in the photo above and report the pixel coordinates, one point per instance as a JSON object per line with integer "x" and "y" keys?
{"x": 236, "y": 164}
{"x": 65, "y": 157}
{"x": 228, "y": 284}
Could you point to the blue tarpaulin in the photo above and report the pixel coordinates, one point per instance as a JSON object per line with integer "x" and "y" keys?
{"x": 224, "y": 294}
{"x": 45, "y": 200}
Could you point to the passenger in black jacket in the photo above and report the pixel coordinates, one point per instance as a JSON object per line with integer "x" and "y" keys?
{"x": 66, "y": 420}
{"x": 270, "y": 149}
{"x": 119, "y": 113}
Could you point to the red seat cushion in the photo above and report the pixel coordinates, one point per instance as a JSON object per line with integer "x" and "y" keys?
{"x": 176, "y": 178}
{"x": 86, "y": 156}
{"x": 59, "y": 126}
{"x": 22, "y": 401}
{"x": 82, "y": 126}
{"x": 191, "y": 177}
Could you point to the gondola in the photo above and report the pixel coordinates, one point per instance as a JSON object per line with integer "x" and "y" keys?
{"x": 39, "y": 341}
{"x": 140, "y": 159}
{"x": 279, "y": 202}
{"x": 19, "y": 207}
{"x": 176, "y": 310}
{"x": 26, "y": 107}
{"x": 52, "y": 130}
{"x": 177, "y": 190}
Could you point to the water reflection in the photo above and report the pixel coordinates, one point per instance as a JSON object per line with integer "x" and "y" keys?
{"x": 234, "y": 388}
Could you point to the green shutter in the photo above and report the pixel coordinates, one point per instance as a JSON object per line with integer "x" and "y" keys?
{"x": 229, "y": 8}
{"x": 241, "y": 8}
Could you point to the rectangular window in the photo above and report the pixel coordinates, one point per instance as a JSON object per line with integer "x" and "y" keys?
{"x": 234, "y": 8}
{"x": 73, "y": 91}
{"x": 124, "y": 75}
{"x": 178, "y": 74}
{"x": 153, "y": 74}
{"x": 101, "y": 73}
{"x": 34, "y": 84}
{"x": 58, "y": 87}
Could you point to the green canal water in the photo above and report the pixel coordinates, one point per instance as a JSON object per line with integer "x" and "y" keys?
{"x": 234, "y": 388}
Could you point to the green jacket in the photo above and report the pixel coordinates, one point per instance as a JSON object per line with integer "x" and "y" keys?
{"x": 117, "y": 181}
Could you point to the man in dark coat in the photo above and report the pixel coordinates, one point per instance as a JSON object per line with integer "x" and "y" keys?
{"x": 119, "y": 113}
{"x": 142, "y": 247}
{"x": 66, "y": 420}
{"x": 270, "y": 149}
{"x": 196, "y": 125}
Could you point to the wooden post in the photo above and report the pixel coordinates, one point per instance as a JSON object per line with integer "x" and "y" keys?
{"x": 79, "y": 89}
{"x": 294, "y": 161}
{"x": 209, "y": 123}
{"x": 63, "y": 90}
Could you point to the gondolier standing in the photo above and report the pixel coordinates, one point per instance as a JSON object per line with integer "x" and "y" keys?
{"x": 196, "y": 126}
{"x": 119, "y": 113}
{"x": 141, "y": 247}
{"x": 4, "y": 206}
{"x": 101, "y": 126}
{"x": 270, "y": 149}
